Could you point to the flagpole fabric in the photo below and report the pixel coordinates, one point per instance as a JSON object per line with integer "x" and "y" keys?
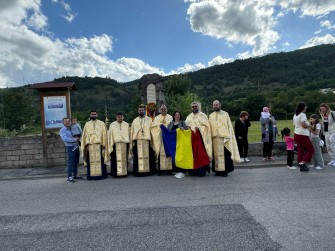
{"x": 185, "y": 147}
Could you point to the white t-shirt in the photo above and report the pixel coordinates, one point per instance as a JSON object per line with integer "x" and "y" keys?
{"x": 318, "y": 127}
{"x": 297, "y": 121}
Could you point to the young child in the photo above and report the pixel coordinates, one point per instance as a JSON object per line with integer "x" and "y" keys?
{"x": 285, "y": 134}
{"x": 317, "y": 159}
{"x": 76, "y": 131}
{"x": 265, "y": 114}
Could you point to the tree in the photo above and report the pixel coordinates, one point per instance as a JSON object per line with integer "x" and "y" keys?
{"x": 18, "y": 108}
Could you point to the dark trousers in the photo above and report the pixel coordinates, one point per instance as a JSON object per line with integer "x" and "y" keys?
{"x": 267, "y": 147}
{"x": 243, "y": 145}
{"x": 290, "y": 157}
{"x": 72, "y": 161}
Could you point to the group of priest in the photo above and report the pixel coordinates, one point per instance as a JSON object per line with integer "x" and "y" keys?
{"x": 197, "y": 142}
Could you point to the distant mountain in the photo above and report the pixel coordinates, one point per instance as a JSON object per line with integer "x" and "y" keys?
{"x": 279, "y": 80}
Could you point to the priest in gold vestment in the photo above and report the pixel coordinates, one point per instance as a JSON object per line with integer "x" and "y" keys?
{"x": 140, "y": 145}
{"x": 164, "y": 163}
{"x": 118, "y": 145}
{"x": 224, "y": 142}
{"x": 94, "y": 147}
{"x": 198, "y": 120}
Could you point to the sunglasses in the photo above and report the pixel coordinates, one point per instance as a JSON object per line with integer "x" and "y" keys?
{"x": 195, "y": 106}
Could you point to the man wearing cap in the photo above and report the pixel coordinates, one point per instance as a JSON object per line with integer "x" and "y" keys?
{"x": 118, "y": 144}
{"x": 164, "y": 163}
{"x": 140, "y": 145}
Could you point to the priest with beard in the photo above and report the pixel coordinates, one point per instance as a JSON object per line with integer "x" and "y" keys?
{"x": 94, "y": 147}
{"x": 140, "y": 145}
{"x": 118, "y": 145}
{"x": 198, "y": 122}
{"x": 224, "y": 142}
{"x": 164, "y": 163}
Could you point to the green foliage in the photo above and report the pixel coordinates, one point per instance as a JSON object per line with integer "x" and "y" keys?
{"x": 177, "y": 84}
{"x": 279, "y": 81}
{"x": 17, "y": 109}
{"x": 181, "y": 103}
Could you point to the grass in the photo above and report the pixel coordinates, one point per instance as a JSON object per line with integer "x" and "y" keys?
{"x": 254, "y": 134}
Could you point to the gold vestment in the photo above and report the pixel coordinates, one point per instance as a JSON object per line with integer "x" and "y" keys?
{"x": 157, "y": 141}
{"x": 118, "y": 138}
{"x": 94, "y": 136}
{"x": 223, "y": 137}
{"x": 140, "y": 131}
{"x": 200, "y": 121}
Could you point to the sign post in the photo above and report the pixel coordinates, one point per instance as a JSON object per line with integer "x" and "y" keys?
{"x": 54, "y": 106}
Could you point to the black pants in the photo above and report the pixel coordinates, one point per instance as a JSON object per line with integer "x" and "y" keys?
{"x": 267, "y": 149}
{"x": 290, "y": 157}
{"x": 242, "y": 145}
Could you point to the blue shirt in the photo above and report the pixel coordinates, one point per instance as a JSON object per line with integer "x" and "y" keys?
{"x": 76, "y": 129}
{"x": 66, "y": 135}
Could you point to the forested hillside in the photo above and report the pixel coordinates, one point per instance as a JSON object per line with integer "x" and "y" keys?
{"x": 279, "y": 80}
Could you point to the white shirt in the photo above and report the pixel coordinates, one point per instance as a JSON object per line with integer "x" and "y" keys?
{"x": 318, "y": 128}
{"x": 297, "y": 121}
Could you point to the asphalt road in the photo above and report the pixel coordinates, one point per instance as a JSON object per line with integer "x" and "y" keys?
{"x": 256, "y": 209}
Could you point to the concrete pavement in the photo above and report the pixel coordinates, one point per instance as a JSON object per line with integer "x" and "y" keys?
{"x": 252, "y": 209}
{"x": 60, "y": 171}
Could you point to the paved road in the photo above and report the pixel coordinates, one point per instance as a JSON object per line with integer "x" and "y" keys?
{"x": 256, "y": 209}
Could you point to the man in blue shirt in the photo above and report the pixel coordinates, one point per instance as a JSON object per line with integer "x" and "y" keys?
{"x": 72, "y": 156}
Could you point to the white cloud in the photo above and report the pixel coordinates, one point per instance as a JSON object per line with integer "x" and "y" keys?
{"x": 250, "y": 22}
{"x": 286, "y": 44}
{"x": 307, "y": 7}
{"x": 326, "y": 39}
{"x": 242, "y": 21}
{"x": 219, "y": 60}
{"x": 69, "y": 16}
{"x": 318, "y": 32}
{"x": 28, "y": 57}
{"x": 187, "y": 68}
{"x": 327, "y": 24}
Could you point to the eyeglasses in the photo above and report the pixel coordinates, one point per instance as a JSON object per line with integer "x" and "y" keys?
{"x": 195, "y": 106}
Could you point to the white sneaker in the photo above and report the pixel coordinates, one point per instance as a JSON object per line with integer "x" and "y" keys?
{"x": 311, "y": 166}
{"x": 318, "y": 168}
{"x": 179, "y": 175}
{"x": 330, "y": 162}
{"x": 241, "y": 160}
{"x": 246, "y": 160}
{"x": 333, "y": 163}
{"x": 292, "y": 167}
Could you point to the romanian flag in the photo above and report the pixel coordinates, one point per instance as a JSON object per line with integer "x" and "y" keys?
{"x": 185, "y": 147}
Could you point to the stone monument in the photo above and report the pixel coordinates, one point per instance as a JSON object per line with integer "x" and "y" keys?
{"x": 152, "y": 90}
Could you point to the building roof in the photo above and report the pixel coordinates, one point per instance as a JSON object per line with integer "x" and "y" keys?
{"x": 54, "y": 86}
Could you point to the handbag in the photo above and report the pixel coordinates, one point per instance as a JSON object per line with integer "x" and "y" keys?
{"x": 322, "y": 143}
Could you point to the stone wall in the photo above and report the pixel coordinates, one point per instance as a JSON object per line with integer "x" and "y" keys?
{"x": 17, "y": 152}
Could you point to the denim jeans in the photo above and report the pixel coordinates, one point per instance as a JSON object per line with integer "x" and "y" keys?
{"x": 72, "y": 161}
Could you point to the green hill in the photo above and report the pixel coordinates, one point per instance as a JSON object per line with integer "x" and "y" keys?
{"x": 279, "y": 80}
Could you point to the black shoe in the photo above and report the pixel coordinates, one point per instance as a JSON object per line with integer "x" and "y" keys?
{"x": 159, "y": 174}
{"x": 78, "y": 178}
{"x": 303, "y": 168}
{"x": 225, "y": 175}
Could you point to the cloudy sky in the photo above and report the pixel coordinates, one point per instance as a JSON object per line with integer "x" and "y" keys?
{"x": 44, "y": 39}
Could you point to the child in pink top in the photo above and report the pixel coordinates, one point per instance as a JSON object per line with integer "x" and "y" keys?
{"x": 285, "y": 134}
